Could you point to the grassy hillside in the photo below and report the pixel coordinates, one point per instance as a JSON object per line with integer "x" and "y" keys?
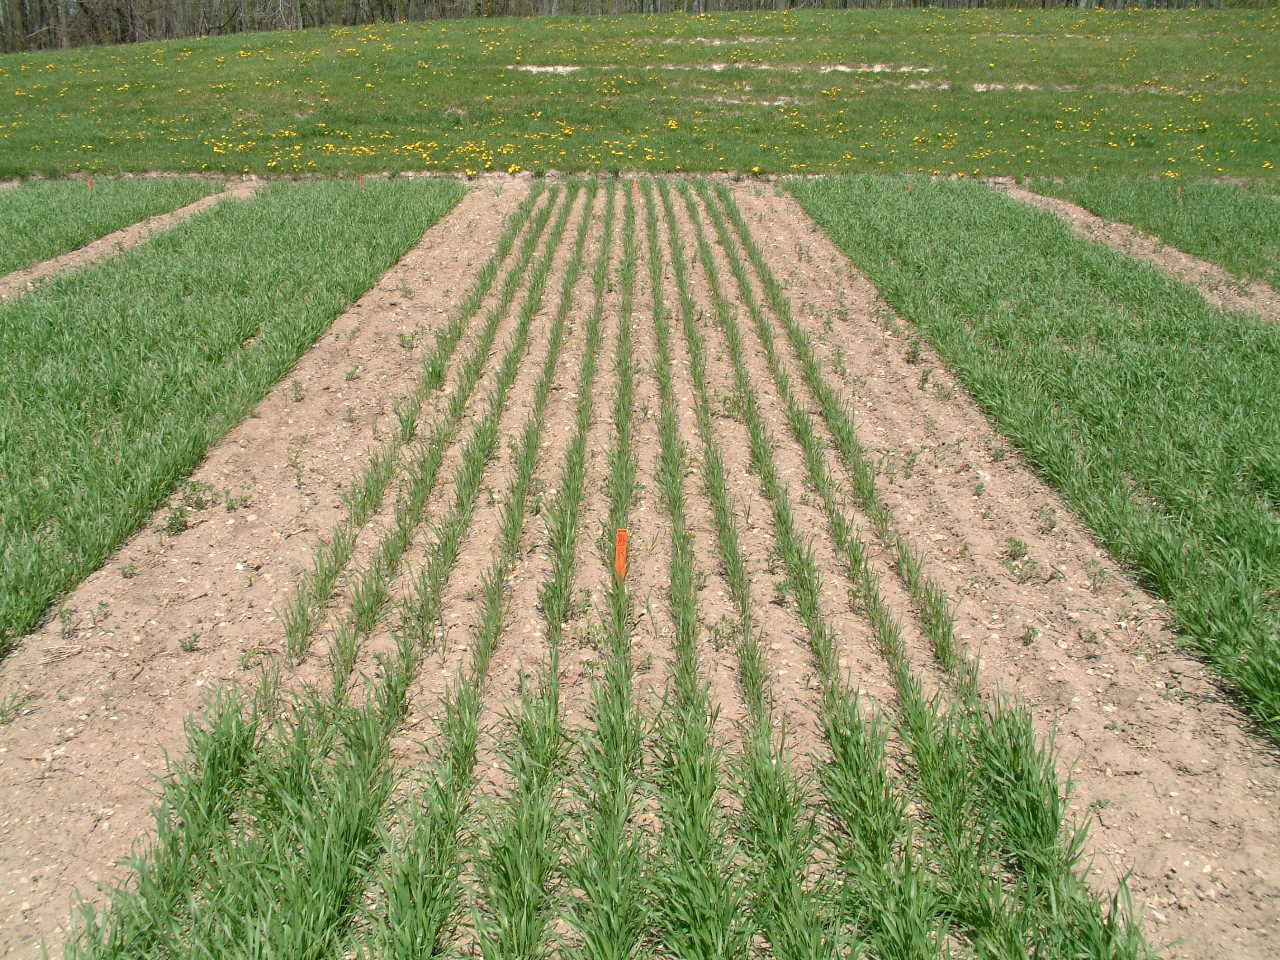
{"x": 976, "y": 92}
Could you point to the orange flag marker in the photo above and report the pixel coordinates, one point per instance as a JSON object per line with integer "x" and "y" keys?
{"x": 91, "y": 183}
{"x": 361, "y": 181}
{"x": 620, "y": 552}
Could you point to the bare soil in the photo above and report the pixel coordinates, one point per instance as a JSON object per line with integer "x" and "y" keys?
{"x": 1220, "y": 288}
{"x": 1178, "y": 792}
{"x": 112, "y": 684}
{"x": 23, "y": 280}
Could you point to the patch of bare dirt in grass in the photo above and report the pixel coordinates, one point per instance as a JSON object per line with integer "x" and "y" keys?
{"x": 20, "y": 281}
{"x": 172, "y": 614}
{"x": 1220, "y": 288}
{"x": 1175, "y": 787}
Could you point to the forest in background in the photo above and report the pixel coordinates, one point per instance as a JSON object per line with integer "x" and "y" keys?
{"x": 53, "y": 24}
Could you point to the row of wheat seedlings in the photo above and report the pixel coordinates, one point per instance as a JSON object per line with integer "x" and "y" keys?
{"x": 876, "y": 896}
{"x": 311, "y": 862}
{"x": 419, "y": 886}
{"x": 940, "y": 766}
{"x": 607, "y": 862}
{"x": 775, "y": 830}
{"x": 304, "y": 822}
{"x": 524, "y": 833}
{"x": 1025, "y": 805}
{"x": 331, "y": 555}
{"x": 697, "y": 902}
{"x": 976, "y": 834}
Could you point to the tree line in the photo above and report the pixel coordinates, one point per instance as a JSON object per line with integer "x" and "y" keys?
{"x": 53, "y": 24}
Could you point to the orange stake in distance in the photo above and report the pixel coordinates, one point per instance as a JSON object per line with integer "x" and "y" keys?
{"x": 91, "y": 183}
{"x": 620, "y": 553}
{"x": 361, "y": 181}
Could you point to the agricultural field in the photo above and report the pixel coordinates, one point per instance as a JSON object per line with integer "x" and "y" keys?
{"x": 893, "y": 661}
{"x": 1171, "y": 93}
{"x": 801, "y": 485}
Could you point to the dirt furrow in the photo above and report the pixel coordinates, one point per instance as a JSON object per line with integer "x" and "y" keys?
{"x": 20, "y": 281}
{"x": 176, "y": 611}
{"x": 1220, "y": 288}
{"x": 1176, "y": 788}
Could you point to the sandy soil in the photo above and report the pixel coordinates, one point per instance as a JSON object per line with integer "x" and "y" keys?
{"x": 111, "y": 684}
{"x": 1176, "y": 788}
{"x": 23, "y": 280}
{"x": 1219, "y": 287}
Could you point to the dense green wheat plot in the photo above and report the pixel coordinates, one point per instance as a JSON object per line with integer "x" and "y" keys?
{"x": 956, "y": 91}
{"x": 118, "y": 377}
{"x": 1238, "y": 229}
{"x": 1157, "y": 416}
{"x": 43, "y": 220}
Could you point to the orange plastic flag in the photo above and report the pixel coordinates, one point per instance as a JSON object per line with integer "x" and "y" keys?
{"x": 362, "y": 181}
{"x": 620, "y": 552}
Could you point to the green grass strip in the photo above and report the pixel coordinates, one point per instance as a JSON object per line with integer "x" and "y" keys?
{"x": 332, "y": 554}
{"x": 1156, "y": 416}
{"x": 697, "y": 901}
{"x": 609, "y": 853}
{"x": 118, "y": 377}
{"x": 419, "y": 887}
{"x": 46, "y": 219}
{"x": 954, "y": 756}
{"x": 1237, "y": 229}
{"x": 526, "y": 831}
{"x": 1024, "y": 93}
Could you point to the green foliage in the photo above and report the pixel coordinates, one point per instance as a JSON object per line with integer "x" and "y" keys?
{"x": 44, "y": 219}
{"x": 1156, "y": 416}
{"x": 119, "y": 376}
{"x": 956, "y": 91}
{"x": 1238, "y": 229}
